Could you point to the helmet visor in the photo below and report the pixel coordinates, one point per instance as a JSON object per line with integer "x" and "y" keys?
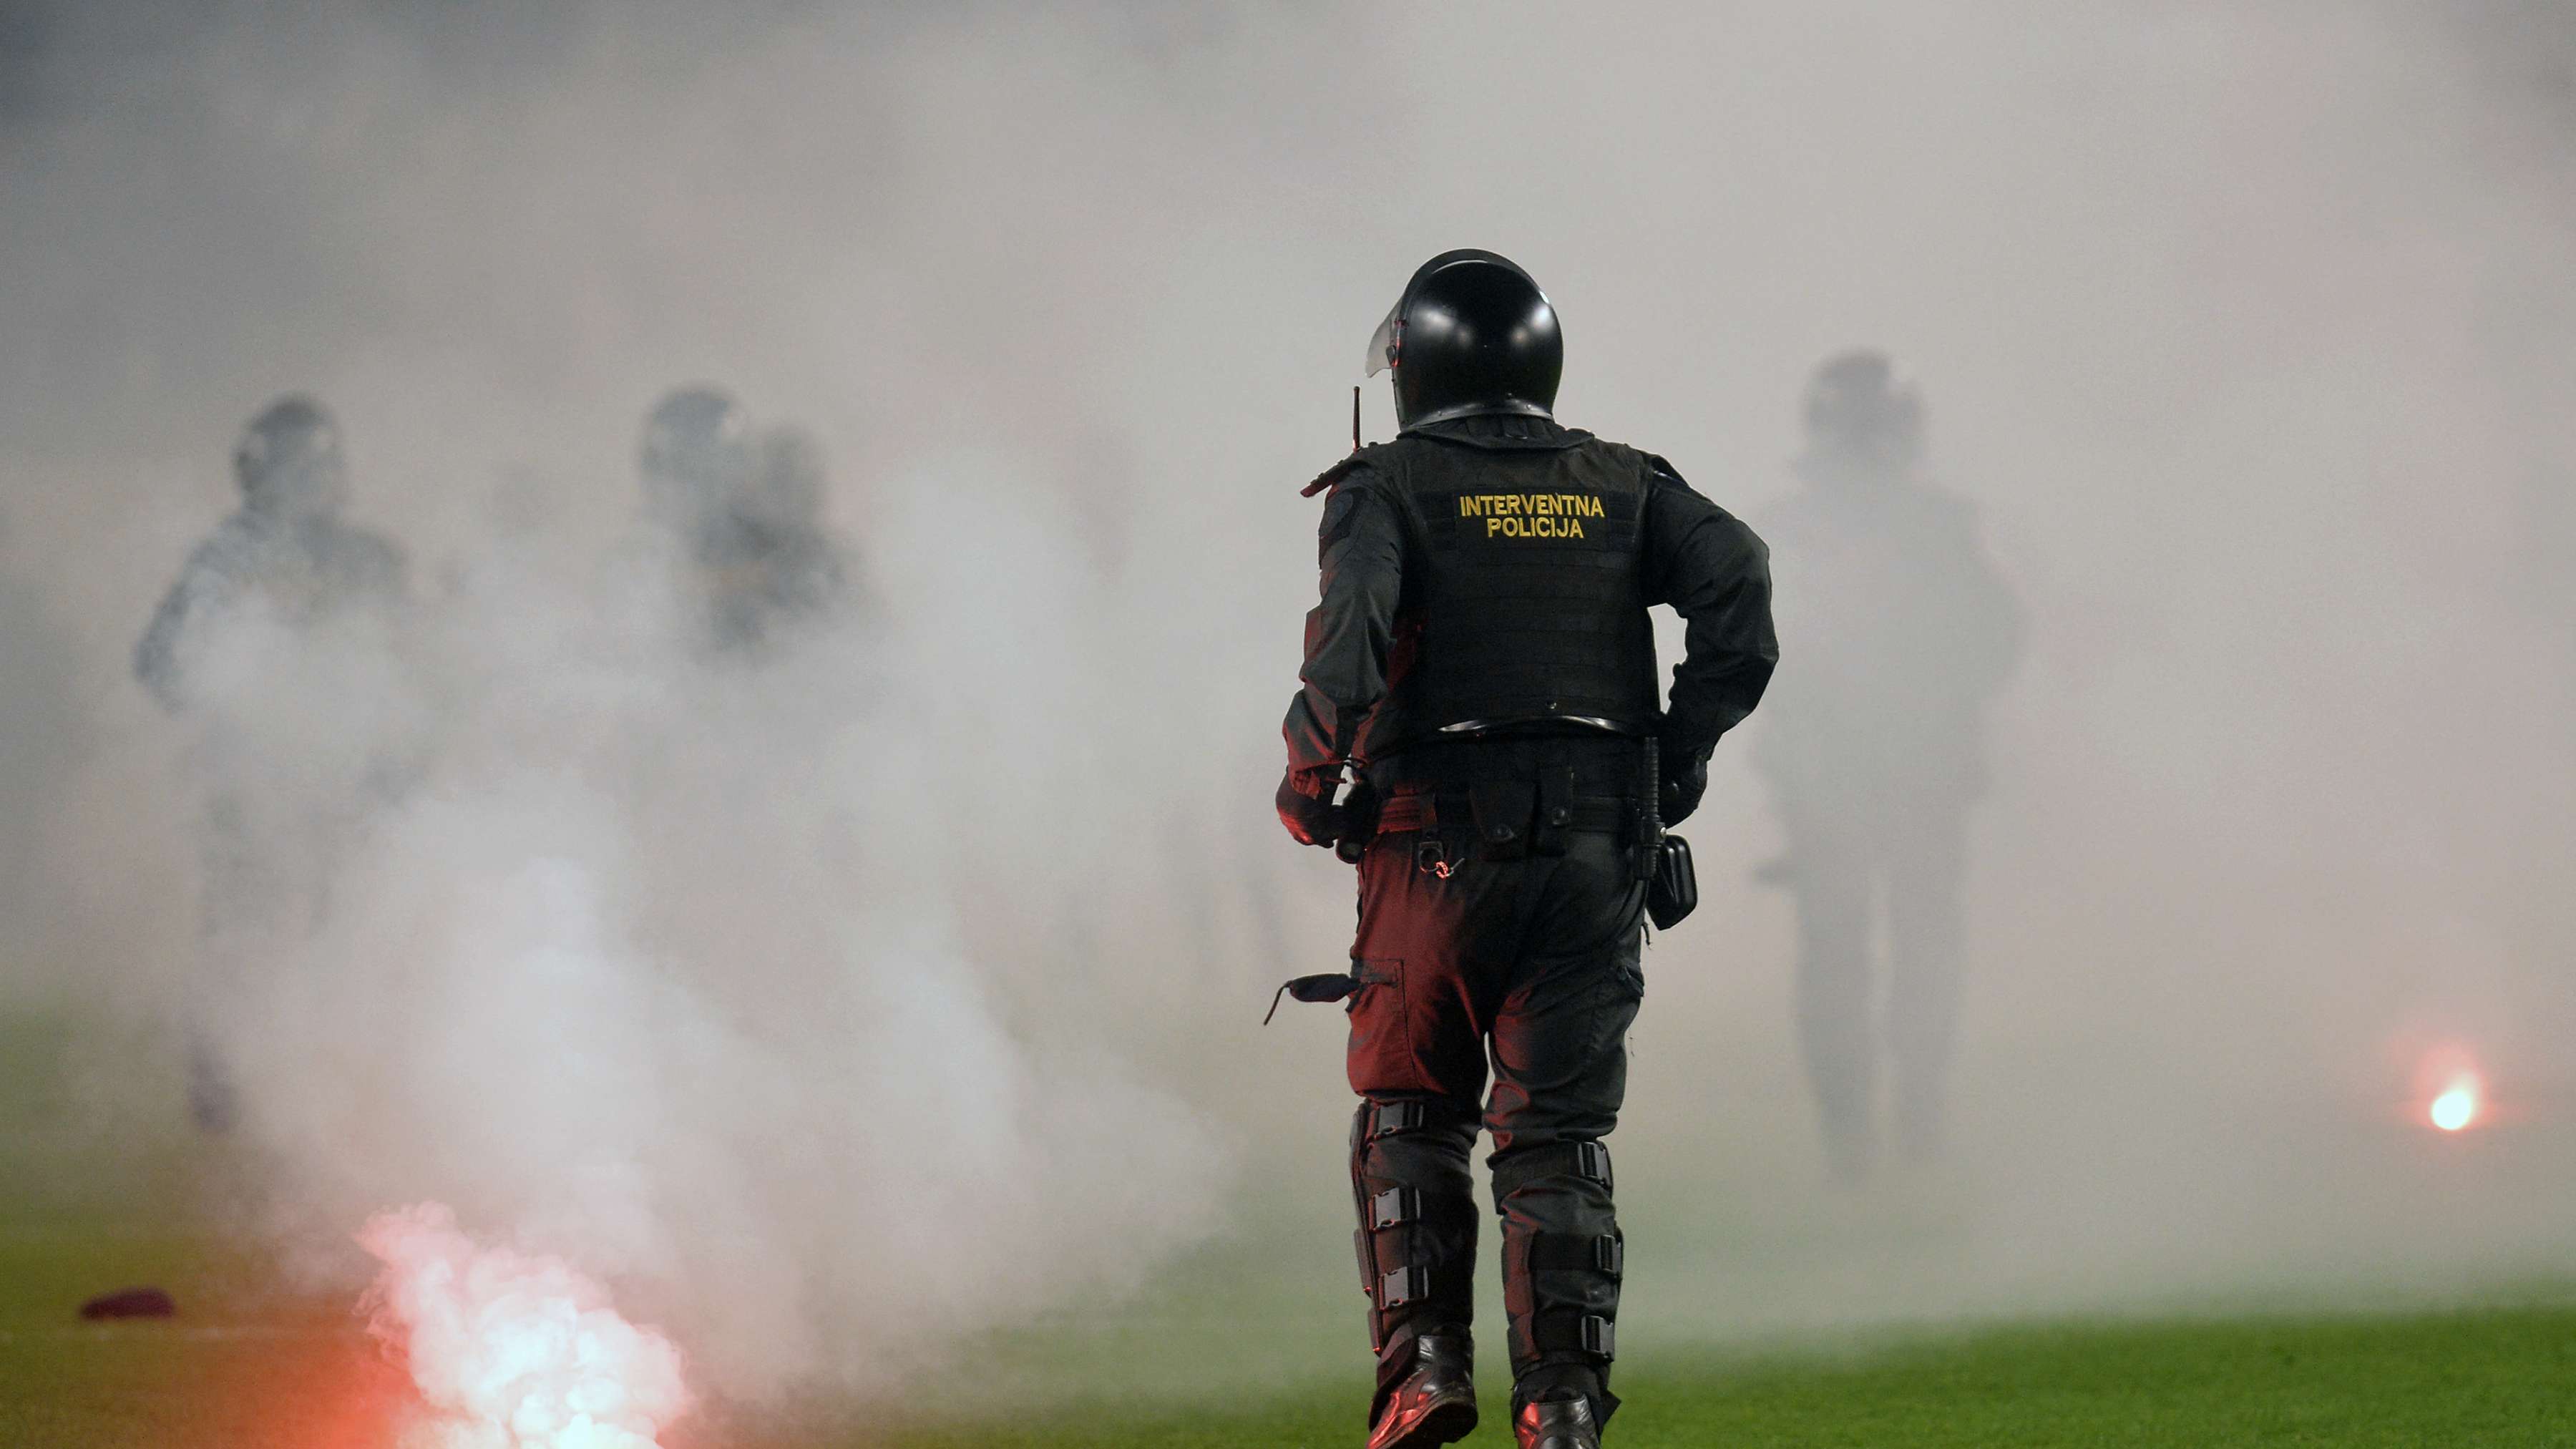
{"x": 1384, "y": 342}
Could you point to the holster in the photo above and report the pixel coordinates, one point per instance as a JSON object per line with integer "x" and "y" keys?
{"x": 1663, "y": 861}
{"x": 1673, "y": 892}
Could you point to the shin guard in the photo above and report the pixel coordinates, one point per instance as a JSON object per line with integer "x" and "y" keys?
{"x": 1563, "y": 1259}
{"x": 1416, "y": 1237}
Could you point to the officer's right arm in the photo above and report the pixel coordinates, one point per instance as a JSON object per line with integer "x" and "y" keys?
{"x": 1351, "y": 628}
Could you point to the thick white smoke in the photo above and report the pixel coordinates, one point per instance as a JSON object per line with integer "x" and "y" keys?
{"x": 647, "y": 955}
{"x": 854, "y": 992}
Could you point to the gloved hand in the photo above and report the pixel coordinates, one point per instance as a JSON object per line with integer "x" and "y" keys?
{"x": 1306, "y": 807}
{"x": 1685, "y": 781}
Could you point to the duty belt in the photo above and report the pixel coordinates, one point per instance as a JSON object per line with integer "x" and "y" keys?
{"x": 1605, "y": 814}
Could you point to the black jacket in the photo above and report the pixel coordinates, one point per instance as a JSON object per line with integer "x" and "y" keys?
{"x": 1691, "y": 554}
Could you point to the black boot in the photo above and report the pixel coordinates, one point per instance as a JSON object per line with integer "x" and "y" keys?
{"x": 1558, "y": 1424}
{"x": 1436, "y": 1403}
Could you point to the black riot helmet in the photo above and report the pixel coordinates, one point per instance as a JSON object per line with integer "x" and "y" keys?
{"x": 289, "y": 460}
{"x": 696, "y": 451}
{"x": 1472, "y": 334}
{"x": 1860, "y": 418}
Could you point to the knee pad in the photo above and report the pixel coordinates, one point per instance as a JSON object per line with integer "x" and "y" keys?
{"x": 1584, "y": 1161}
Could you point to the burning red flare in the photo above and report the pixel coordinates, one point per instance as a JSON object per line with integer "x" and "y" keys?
{"x": 2456, "y": 1105}
{"x": 513, "y": 1350}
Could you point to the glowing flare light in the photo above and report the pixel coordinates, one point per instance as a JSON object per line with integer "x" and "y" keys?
{"x": 2457, "y": 1105}
{"x": 513, "y": 1350}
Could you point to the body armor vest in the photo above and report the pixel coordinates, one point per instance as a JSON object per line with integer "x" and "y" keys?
{"x": 1522, "y": 596}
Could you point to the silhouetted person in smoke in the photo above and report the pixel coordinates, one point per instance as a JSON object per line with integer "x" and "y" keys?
{"x": 285, "y": 551}
{"x": 1901, "y": 631}
{"x": 745, "y": 512}
{"x": 284, "y": 566}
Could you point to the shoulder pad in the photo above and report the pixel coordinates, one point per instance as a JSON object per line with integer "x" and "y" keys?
{"x": 1337, "y": 472}
{"x": 1656, "y": 465}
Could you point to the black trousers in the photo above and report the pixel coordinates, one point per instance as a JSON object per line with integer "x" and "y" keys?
{"x": 1497, "y": 989}
{"x": 1845, "y": 869}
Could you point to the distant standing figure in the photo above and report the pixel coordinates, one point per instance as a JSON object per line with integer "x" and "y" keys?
{"x": 287, "y": 560}
{"x": 1902, "y": 632}
{"x": 744, "y": 513}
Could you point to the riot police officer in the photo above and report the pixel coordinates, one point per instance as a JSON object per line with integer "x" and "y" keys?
{"x": 743, "y": 511}
{"x": 1874, "y": 751}
{"x": 1482, "y": 658}
{"x": 287, "y": 547}
{"x": 286, "y": 558}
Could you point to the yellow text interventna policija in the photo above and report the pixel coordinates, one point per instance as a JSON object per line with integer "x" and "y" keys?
{"x": 1530, "y": 515}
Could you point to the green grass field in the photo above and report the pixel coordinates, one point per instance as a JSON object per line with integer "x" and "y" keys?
{"x": 1252, "y": 1350}
{"x": 273, "y": 1371}
{"x": 2499, "y": 1377}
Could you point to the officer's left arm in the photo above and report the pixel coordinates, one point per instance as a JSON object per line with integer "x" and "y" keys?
{"x": 156, "y": 655}
{"x": 1990, "y": 616}
{"x": 1716, "y": 574}
{"x": 1348, "y": 635}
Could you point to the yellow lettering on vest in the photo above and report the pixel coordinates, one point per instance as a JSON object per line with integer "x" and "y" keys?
{"x": 1531, "y": 515}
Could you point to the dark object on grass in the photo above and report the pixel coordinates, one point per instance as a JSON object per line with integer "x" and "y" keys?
{"x": 130, "y": 1303}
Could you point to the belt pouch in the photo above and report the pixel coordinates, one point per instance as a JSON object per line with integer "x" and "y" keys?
{"x": 1555, "y": 809}
{"x": 1503, "y": 811}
